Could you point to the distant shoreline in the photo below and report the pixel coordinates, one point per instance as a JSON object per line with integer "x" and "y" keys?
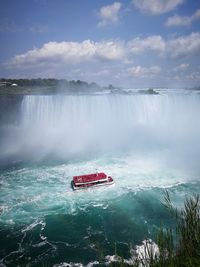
{"x": 61, "y": 86}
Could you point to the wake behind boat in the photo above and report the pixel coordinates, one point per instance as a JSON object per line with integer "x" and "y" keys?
{"x": 91, "y": 180}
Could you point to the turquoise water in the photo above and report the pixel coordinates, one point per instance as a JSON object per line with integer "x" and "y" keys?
{"x": 149, "y": 144}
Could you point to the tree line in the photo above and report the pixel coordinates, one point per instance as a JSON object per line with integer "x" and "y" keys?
{"x": 49, "y": 82}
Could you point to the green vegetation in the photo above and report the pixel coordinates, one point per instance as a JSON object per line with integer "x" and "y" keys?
{"x": 31, "y": 82}
{"x": 44, "y": 86}
{"x": 187, "y": 249}
{"x": 46, "y": 82}
{"x": 176, "y": 249}
{"x": 58, "y": 86}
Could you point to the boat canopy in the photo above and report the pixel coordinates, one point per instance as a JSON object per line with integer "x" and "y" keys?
{"x": 89, "y": 178}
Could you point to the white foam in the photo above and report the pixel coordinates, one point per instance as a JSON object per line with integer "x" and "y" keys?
{"x": 47, "y": 190}
{"x": 33, "y": 225}
{"x": 3, "y": 208}
{"x": 71, "y": 264}
{"x": 145, "y": 252}
{"x": 140, "y": 255}
{"x": 90, "y": 264}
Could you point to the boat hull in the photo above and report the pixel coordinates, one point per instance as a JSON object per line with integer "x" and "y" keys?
{"x": 86, "y": 186}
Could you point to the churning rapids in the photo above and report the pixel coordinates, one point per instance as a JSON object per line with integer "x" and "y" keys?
{"x": 146, "y": 142}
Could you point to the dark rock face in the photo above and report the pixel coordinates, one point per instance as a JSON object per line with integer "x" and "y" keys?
{"x": 10, "y": 106}
{"x": 149, "y": 91}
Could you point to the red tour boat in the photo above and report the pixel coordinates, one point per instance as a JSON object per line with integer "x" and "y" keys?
{"x": 91, "y": 180}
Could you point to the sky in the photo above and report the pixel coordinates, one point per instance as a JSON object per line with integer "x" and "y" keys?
{"x": 130, "y": 43}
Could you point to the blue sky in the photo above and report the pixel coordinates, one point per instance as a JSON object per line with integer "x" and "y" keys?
{"x": 130, "y": 43}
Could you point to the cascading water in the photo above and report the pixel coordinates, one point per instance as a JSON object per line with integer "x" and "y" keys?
{"x": 146, "y": 142}
{"x": 66, "y": 126}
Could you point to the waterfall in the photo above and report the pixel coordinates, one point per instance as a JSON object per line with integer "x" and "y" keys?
{"x": 70, "y": 125}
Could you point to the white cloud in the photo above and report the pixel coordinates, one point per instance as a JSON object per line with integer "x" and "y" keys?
{"x": 177, "y": 20}
{"x": 184, "y": 45}
{"x": 69, "y": 53}
{"x": 58, "y": 53}
{"x": 194, "y": 76}
{"x": 112, "y": 61}
{"x": 181, "y": 67}
{"x": 109, "y": 50}
{"x": 109, "y": 14}
{"x": 156, "y": 7}
{"x": 53, "y": 51}
{"x": 175, "y": 47}
{"x": 143, "y": 72}
{"x": 140, "y": 45}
